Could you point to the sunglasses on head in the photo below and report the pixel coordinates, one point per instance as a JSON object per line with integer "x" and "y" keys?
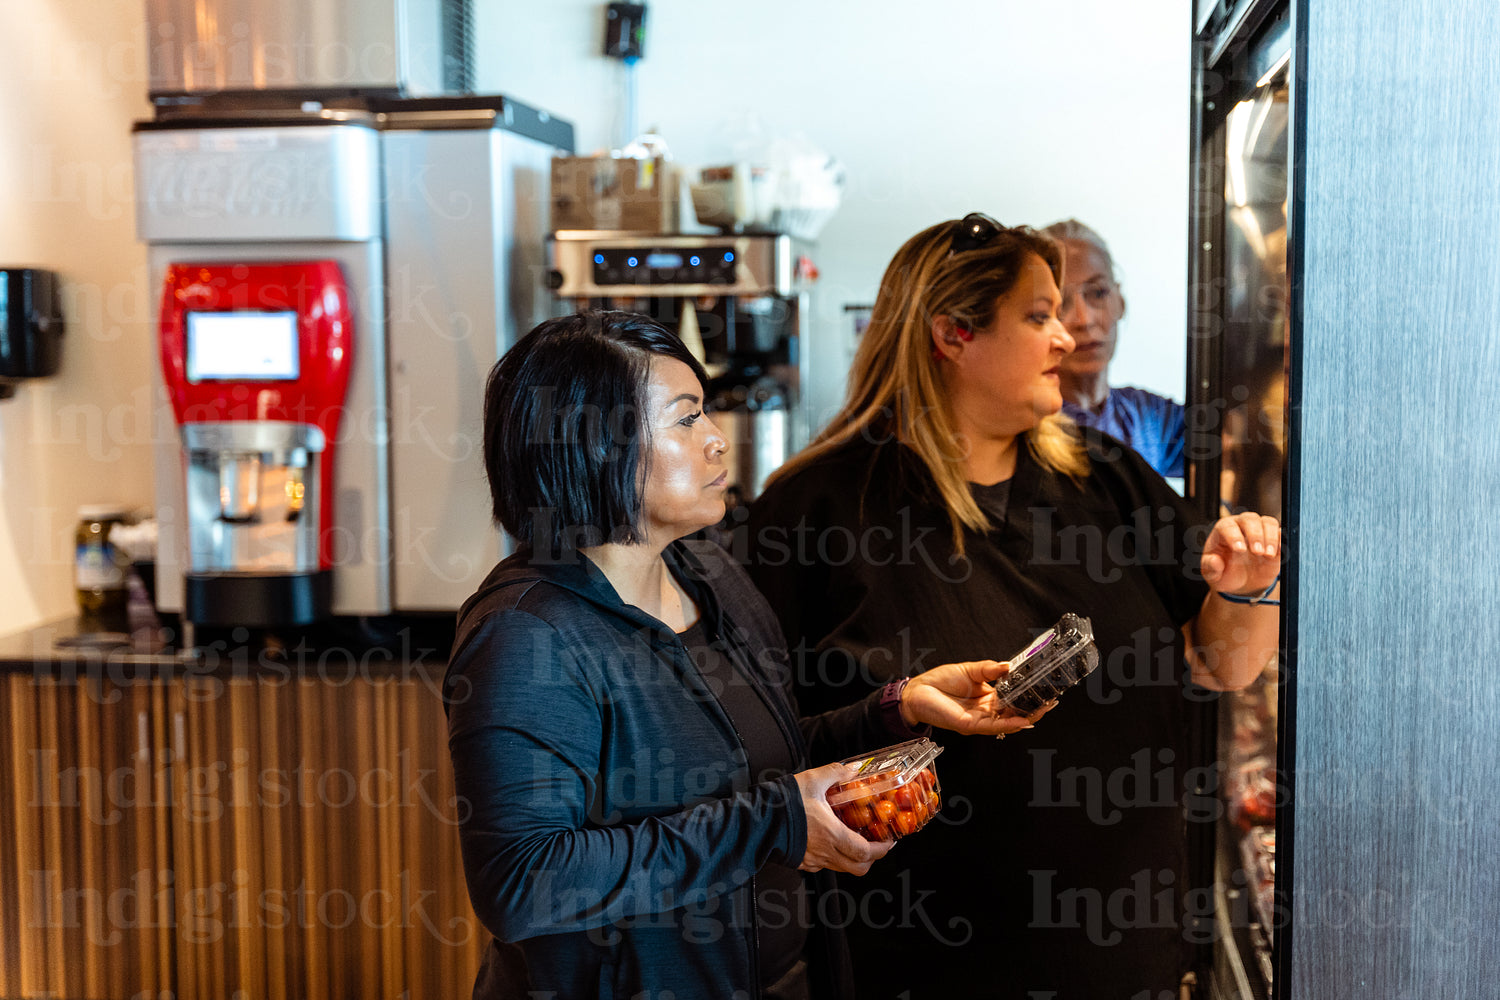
{"x": 974, "y": 231}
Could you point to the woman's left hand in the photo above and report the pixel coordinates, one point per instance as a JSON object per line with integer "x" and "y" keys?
{"x": 1242, "y": 554}
{"x": 958, "y": 696}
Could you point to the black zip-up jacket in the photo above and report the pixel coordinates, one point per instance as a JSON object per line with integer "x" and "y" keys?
{"x": 611, "y": 833}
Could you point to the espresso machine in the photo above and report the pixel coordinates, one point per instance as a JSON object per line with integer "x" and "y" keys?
{"x": 740, "y": 303}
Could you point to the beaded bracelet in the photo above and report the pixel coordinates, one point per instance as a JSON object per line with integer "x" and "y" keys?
{"x": 1260, "y": 598}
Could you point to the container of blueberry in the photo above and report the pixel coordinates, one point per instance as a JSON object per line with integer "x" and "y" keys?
{"x": 1050, "y": 664}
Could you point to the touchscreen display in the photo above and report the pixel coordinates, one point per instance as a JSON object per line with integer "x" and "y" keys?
{"x": 241, "y": 346}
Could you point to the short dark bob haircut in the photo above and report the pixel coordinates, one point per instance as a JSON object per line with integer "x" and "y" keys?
{"x": 565, "y": 449}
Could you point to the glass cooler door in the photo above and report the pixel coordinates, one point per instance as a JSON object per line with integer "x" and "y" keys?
{"x": 1238, "y": 394}
{"x": 1253, "y": 380}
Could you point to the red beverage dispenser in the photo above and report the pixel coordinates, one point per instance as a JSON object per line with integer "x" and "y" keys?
{"x": 255, "y": 358}
{"x": 335, "y": 283}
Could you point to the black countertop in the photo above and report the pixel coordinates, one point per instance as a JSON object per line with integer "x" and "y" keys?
{"x": 73, "y": 648}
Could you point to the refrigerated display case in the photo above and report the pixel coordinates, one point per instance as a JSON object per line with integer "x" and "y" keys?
{"x": 1344, "y": 308}
{"x": 1240, "y": 359}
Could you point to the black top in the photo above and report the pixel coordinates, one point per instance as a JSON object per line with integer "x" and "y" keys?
{"x": 613, "y": 830}
{"x": 992, "y": 499}
{"x": 766, "y": 747}
{"x": 1060, "y": 852}
{"x": 780, "y": 896}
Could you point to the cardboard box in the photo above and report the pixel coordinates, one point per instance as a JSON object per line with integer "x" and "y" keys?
{"x": 600, "y": 192}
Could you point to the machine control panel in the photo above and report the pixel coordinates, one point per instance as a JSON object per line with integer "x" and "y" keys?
{"x": 653, "y": 265}
{"x": 588, "y": 264}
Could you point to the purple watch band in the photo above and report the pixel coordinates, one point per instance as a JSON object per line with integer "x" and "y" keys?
{"x": 890, "y": 710}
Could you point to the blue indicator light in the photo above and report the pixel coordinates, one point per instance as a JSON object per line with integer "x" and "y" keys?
{"x": 693, "y": 260}
{"x": 728, "y": 257}
{"x": 631, "y": 261}
{"x": 598, "y": 258}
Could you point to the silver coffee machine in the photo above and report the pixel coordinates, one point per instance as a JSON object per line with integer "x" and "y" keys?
{"x": 739, "y": 302}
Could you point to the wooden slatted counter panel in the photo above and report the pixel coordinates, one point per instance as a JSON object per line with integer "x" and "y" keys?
{"x": 206, "y": 837}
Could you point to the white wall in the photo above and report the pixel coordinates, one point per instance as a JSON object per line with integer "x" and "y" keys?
{"x": 1030, "y": 112}
{"x": 1027, "y": 111}
{"x": 73, "y": 79}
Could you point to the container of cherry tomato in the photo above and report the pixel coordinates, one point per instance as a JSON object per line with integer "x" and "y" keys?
{"x": 895, "y": 793}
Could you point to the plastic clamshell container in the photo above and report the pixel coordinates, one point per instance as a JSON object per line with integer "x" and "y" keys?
{"x": 895, "y": 794}
{"x": 1053, "y": 662}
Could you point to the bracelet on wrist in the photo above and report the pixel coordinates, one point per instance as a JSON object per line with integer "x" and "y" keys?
{"x": 1264, "y": 597}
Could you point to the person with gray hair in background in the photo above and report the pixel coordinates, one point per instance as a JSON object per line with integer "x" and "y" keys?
{"x": 1092, "y": 306}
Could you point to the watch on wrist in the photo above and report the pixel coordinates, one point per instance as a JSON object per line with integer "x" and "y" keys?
{"x": 890, "y": 709}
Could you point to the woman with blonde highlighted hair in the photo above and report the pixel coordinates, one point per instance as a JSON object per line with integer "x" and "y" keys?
{"x": 896, "y": 389}
{"x": 950, "y": 512}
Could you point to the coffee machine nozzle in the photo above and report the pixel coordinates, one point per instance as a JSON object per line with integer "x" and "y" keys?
{"x": 248, "y": 488}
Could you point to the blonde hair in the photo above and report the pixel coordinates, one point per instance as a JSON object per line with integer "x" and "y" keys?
{"x": 894, "y": 387}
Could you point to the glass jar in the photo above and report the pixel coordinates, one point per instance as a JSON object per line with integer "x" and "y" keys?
{"x": 99, "y": 567}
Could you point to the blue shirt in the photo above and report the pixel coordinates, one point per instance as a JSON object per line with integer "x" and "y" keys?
{"x": 1153, "y": 425}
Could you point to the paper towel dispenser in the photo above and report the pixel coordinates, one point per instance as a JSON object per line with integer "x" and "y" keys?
{"x": 31, "y": 326}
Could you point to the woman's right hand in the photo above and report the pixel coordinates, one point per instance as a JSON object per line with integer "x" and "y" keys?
{"x": 831, "y": 844}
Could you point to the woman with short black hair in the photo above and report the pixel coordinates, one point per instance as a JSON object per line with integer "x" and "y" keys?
{"x": 640, "y": 810}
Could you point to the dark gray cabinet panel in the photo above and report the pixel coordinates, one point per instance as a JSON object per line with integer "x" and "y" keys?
{"x": 1396, "y": 886}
